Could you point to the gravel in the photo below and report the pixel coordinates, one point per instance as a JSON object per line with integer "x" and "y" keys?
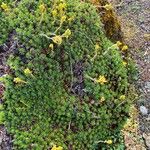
{"x": 5, "y": 139}
{"x": 135, "y": 19}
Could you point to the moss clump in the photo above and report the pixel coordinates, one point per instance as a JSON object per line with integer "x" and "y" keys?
{"x": 109, "y": 19}
{"x": 68, "y": 85}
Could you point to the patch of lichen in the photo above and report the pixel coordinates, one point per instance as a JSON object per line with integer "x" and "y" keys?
{"x": 109, "y": 19}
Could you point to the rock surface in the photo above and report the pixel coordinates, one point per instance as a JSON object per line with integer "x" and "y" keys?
{"x": 143, "y": 110}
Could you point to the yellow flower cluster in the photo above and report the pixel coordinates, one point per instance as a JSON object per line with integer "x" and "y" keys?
{"x": 124, "y": 63}
{"x": 108, "y": 7}
{"x": 125, "y": 48}
{"x": 4, "y": 7}
{"x": 19, "y": 80}
{"x": 57, "y": 148}
{"x": 122, "y": 46}
{"x": 51, "y": 46}
{"x": 63, "y": 19}
{"x": 119, "y": 43}
{"x": 27, "y": 71}
{"x": 58, "y": 38}
{"x": 122, "y": 97}
{"x": 62, "y": 6}
{"x": 108, "y": 142}
{"x": 101, "y": 80}
{"x": 97, "y": 47}
{"x": 71, "y": 19}
{"x": 59, "y": 10}
{"x": 102, "y": 99}
{"x": 67, "y": 33}
{"x": 54, "y": 13}
{"x": 42, "y": 8}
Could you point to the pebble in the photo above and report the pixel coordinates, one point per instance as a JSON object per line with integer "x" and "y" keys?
{"x": 143, "y": 110}
{"x": 1, "y": 139}
{"x": 147, "y": 140}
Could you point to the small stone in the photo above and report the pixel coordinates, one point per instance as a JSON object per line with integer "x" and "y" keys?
{"x": 148, "y": 118}
{"x": 147, "y": 139}
{"x": 147, "y": 85}
{"x": 1, "y": 139}
{"x": 143, "y": 110}
{"x": 142, "y": 128}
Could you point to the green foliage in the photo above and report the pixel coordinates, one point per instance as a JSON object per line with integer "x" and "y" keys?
{"x": 1, "y": 114}
{"x": 42, "y": 108}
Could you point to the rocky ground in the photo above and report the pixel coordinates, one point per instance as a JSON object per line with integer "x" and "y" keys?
{"x": 134, "y": 16}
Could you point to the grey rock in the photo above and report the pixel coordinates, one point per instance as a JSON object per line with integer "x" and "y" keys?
{"x": 143, "y": 110}
{"x": 147, "y": 85}
{"x": 147, "y": 139}
{"x": 1, "y": 139}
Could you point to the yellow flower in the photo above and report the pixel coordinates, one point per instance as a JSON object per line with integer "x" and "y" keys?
{"x": 42, "y": 8}
{"x": 122, "y": 97}
{"x": 57, "y": 148}
{"x": 71, "y": 18}
{"x": 108, "y": 7}
{"x": 97, "y": 47}
{"x": 101, "y": 80}
{"x": 18, "y": 80}
{"x": 27, "y": 71}
{"x": 67, "y": 33}
{"x": 124, "y": 48}
{"x": 54, "y": 13}
{"x": 124, "y": 63}
{"x": 57, "y": 39}
{"x": 62, "y": 6}
{"x": 119, "y": 43}
{"x": 63, "y": 18}
{"x": 109, "y": 142}
{"x": 102, "y": 99}
{"x": 51, "y": 46}
{"x": 4, "y": 7}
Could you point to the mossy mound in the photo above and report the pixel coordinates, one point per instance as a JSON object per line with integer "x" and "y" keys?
{"x": 68, "y": 84}
{"x": 109, "y": 19}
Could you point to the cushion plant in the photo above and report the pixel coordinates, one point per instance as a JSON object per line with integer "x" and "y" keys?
{"x": 68, "y": 85}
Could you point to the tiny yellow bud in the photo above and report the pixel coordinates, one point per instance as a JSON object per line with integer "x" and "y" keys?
{"x": 42, "y": 8}
{"x": 102, "y": 99}
{"x": 54, "y": 13}
{"x": 63, "y": 18}
{"x": 4, "y": 6}
{"x": 71, "y": 18}
{"x": 97, "y": 47}
{"x": 119, "y": 43}
{"x": 51, "y": 46}
{"x": 124, "y": 48}
{"x": 124, "y": 63}
{"x": 57, "y": 148}
{"x": 101, "y": 80}
{"x": 57, "y": 39}
{"x": 18, "y": 80}
{"x": 27, "y": 71}
{"x": 67, "y": 33}
{"x": 108, "y": 7}
{"x": 62, "y": 6}
{"x": 122, "y": 97}
{"x": 109, "y": 142}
